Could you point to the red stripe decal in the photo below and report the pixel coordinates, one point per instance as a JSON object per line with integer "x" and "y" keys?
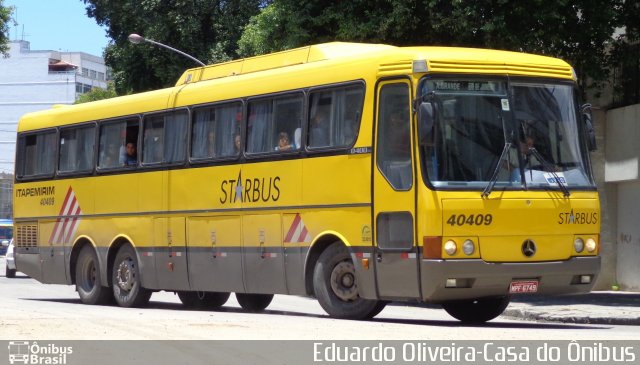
{"x": 292, "y": 229}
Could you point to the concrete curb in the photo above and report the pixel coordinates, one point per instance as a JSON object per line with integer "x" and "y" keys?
{"x": 533, "y": 315}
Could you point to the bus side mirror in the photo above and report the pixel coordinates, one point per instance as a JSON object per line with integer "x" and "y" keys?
{"x": 587, "y": 118}
{"x": 426, "y": 120}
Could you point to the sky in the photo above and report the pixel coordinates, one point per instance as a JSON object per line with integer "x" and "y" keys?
{"x": 59, "y": 25}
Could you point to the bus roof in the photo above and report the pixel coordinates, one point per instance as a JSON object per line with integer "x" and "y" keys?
{"x": 260, "y": 72}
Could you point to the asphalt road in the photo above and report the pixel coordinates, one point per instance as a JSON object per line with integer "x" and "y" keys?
{"x": 34, "y": 311}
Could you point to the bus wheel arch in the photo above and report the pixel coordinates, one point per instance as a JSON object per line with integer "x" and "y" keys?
{"x": 315, "y": 250}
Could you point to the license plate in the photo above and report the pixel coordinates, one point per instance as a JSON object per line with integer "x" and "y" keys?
{"x": 523, "y": 286}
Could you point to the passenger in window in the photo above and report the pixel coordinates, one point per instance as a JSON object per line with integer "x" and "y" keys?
{"x": 237, "y": 143}
{"x": 283, "y": 142}
{"x": 319, "y": 135}
{"x": 131, "y": 156}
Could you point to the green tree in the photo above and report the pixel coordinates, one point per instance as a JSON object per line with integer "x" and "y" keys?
{"x": 206, "y": 29}
{"x": 98, "y": 94}
{"x": 5, "y": 19}
{"x": 576, "y": 30}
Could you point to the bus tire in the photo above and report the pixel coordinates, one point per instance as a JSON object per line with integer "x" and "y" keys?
{"x": 127, "y": 287}
{"x": 254, "y": 302}
{"x": 335, "y": 286}
{"x": 203, "y": 300}
{"x": 88, "y": 278}
{"x": 9, "y": 273}
{"x": 476, "y": 310}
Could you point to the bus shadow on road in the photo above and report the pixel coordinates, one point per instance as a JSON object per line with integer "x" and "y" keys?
{"x": 159, "y": 305}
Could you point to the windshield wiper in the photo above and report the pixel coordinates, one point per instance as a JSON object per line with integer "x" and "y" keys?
{"x": 494, "y": 177}
{"x": 549, "y": 167}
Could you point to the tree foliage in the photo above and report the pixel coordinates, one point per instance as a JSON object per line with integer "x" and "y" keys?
{"x": 576, "y": 30}
{"x": 5, "y": 19}
{"x": 206, "y": 29}
{"x": 98, "y": 94}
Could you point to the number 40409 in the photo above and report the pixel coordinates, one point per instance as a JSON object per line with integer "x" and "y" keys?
{"x": 472, "y": 219}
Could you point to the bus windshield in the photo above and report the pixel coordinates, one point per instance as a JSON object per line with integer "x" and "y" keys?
{"x": 518, "y": 134}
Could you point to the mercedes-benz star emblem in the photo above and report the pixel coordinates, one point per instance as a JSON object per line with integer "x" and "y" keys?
{"x": 528, "y": 248}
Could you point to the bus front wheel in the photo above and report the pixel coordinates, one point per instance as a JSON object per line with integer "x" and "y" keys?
{"x": 127, "y": 287}
{"x": 476, "y": 310}
{"x": 203, "y": 300}
{"x": 254, "y": 302}
{"x": 88, "y": 278}
{"x": 336, "y": 287}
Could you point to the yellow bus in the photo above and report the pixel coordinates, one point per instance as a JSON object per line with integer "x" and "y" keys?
{"x": 357, "y": 174}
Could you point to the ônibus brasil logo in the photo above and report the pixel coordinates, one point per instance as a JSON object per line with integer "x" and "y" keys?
{"x": 25, "y": 352}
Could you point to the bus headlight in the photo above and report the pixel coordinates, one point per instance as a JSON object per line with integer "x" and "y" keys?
{"x": 578, "y": 245}
{"x": 591, "y": 245}
{"x": 468, "y": 247}
{"x": 450, "y": 247}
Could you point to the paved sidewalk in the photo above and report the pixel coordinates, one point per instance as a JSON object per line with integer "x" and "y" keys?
{"x": 604, "y": 307}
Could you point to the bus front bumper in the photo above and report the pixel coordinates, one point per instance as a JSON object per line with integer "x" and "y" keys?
{"x": 478, "y": 278}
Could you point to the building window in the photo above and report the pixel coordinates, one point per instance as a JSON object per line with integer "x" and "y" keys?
{"x": 92, "y": 74}
{"x": 85, "y": 72}
{"x": 100, "y": 76}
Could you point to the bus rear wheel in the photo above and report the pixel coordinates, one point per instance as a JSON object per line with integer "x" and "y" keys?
{"x": 88, "y": 278}
{"x": 476, "y": 310}
{"x": 336, "y": 287}
{"x": 254, "y": 302}
{"x": 127, "y": 287}
{"x": 203, "y": 300}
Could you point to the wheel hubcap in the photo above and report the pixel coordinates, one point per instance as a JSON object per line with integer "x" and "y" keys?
{"x": 343, "y": 281}
{"x": 126, "y": 275}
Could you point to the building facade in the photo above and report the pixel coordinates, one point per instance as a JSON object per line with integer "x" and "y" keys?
{"x": 35, "y": 80}
{"x": 32, "y": 80}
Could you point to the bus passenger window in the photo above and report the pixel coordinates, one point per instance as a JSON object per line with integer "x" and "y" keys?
{"x": 271, "y": 122}
{"x": 76, "y": 149}
{"x": 35, "y": 157}
{"x": 214, "y": 130}
{"x": 165, "y": 137}
{"x": 114, "y": 138}
{"x": 334, "y": 116}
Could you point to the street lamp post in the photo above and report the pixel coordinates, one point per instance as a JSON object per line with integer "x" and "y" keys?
{"x": 137, "y": 39}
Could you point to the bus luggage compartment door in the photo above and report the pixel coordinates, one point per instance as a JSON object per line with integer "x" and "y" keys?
{"x": 263, "y": 254}
{"x": 171, "y": 254}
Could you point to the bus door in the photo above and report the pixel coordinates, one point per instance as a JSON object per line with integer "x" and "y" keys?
{"x": 394, "y": 193}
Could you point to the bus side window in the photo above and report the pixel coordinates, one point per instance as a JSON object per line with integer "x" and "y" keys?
{"x": 114, "y": 137}
{"x": 76, "y": 149}
{"x": 334, "y": 116}
{"x": 271, "y": 120}
{"x": 35, "y": 157}
{"x": 214, "y": 130}
{"x": 165, "y": 137}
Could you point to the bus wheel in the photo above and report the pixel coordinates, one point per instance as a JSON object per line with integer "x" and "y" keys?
{"x": 476, "y": 310}
{"x": 254, "y": 302}
{"x": 203, "y": 300}
{"x": 88, "y": 278}
{"x": 335, "y": 286}
{"x": 127, "y": 288}
{"x": 9, "y": 273}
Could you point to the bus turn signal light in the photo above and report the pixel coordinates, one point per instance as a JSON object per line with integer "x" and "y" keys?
{"x": 432, "y": 247}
